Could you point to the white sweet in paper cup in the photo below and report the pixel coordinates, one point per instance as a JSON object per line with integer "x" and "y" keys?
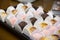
{"x": 18, "y": 24}
{"x": 53, "y": 27}
{"x": 21, "y": 15}
{"x": 24, "y": 17}
{"x": 41, "y": 24}
{"x": 39, "y": 35}
{"x": 11, "y": 10}
{"x": 3, "y": 15}
{"x": 19, "y": 7}
{"x": 11, "y": 20}
{"x": 52, "y": 20}
{"x": 29, "y": 13}
{"x": 36, "y": 35}
{"x": 29, "y": 29}
{"x": 23, "y": 7}
{"x": 17, "y": 27}
{"x": 37, "y": 22}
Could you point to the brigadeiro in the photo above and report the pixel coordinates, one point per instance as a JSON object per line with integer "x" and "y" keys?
{"x": 22, "y": 24}
{"x": 33, "y": 20}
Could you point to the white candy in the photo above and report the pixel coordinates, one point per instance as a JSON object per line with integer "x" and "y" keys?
{"x": 3, "y": 15}
{"x": 49, "y": 18}
{"x": 19, "y": 6}
{"x": 21, "y": 16}
{"x": 39, "y": 22}
{"x": 36, "y": 35}
{"x": 9, "y": 9}
{"x": 11, "y": 20}
{"x": 17, "y": 27}
{"x": 27, "y": 30}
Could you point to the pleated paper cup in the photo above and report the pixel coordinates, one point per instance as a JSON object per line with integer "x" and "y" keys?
{"x": 29, "y": 29}
{"x": 36, "y": 35}
{"x": 3, "y": 15}
{"x": 20, "y": 25}
{"x": 11, "y": 20}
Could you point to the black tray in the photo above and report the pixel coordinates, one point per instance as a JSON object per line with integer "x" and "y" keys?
{"x": 19, "y": 35}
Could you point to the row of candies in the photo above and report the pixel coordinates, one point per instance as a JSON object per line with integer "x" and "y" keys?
{"x": 48, "y": 29}
{"x": 25, "y": 19}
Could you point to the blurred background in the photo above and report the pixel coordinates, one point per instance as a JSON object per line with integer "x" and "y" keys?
{"x": 47, "y": 4}
{"x": 4, "y": 34}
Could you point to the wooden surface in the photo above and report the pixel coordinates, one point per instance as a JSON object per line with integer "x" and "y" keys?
{"x": 5, "y": 35}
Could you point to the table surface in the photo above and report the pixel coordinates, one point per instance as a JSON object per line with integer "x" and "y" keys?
{"x": 4, "y": 34}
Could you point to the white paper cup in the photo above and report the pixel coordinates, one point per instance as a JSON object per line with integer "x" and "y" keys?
{"x": 11, "y": 20}
{"x": 27, "y": 30}
{"x": 3, "y": 15}
{"x": 18, "y": 27}
{"x": 36, "y": 35}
